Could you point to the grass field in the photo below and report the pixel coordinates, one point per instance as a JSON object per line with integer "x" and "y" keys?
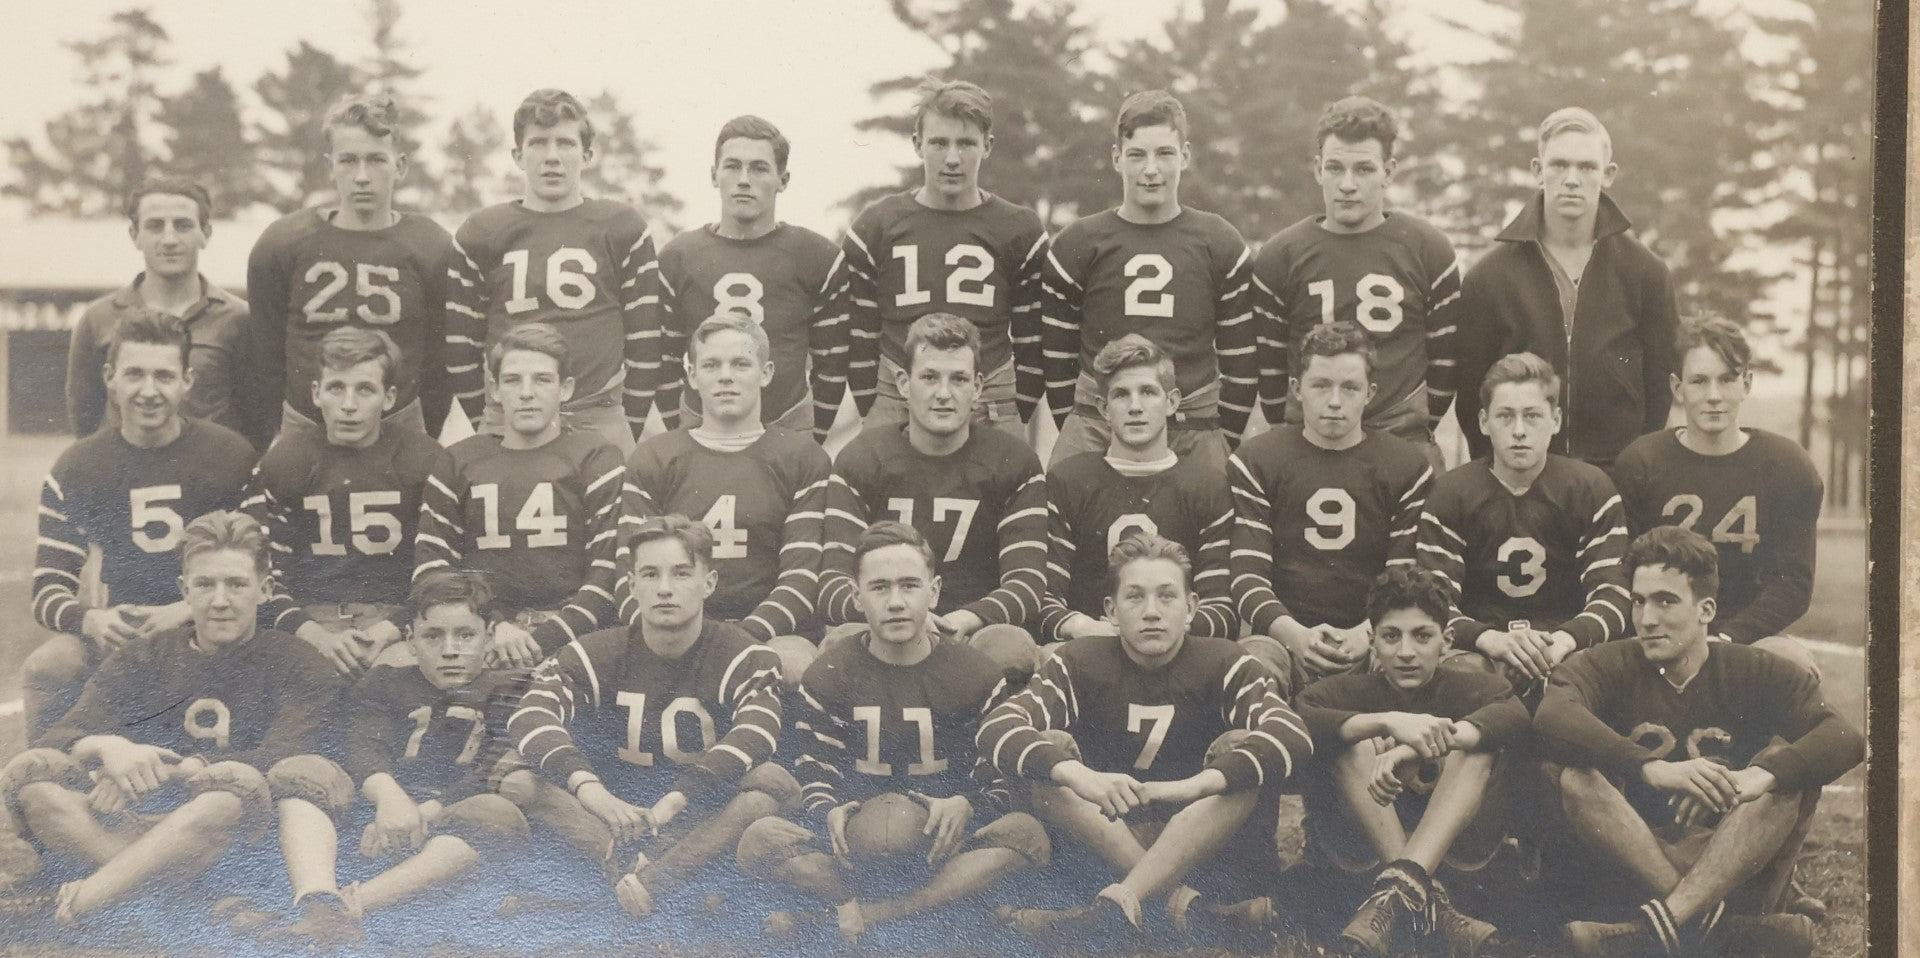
{"x": 1831, "y": 868}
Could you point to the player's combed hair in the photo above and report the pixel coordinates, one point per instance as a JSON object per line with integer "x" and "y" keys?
{"x": 750, "y": 127}
{"x": 1572, "y": 119}
{"x": 1724, "y": 336}
{"x": 349, "y": 346}
{"x": 1149, "y": 108}
{"x": 533, "y": 338}
{"x": 1357, "y": 119}
{"x": 1682, "y": 550}
{"x": 144, "y": 324}
{"x": 1408, "y": 587}
{"x": 1337, "y": 339}
{"x": 450, "y": 587}
{"x": 224, "y": 529}
{"x": 886, "y": 533}
{"x": 1132, "y": 351}
{"x": 377, "y": 113}
{"x": 551, "y": 107}
{"x": 943, "y": 331}
{"x": 955, "y": 100}
{"x": 1521, "y": 368}
{"x": 695, "y": 537}
{"x": 1141, "y": 547}
{"x": 730, "y": 322}
{"x": 170, "y": 186}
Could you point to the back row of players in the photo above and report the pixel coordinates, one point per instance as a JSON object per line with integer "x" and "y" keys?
{"x": 357, "y": 499}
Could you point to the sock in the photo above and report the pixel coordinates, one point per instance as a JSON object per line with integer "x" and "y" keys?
{"x": 1700, "y": 929}
{"x": 1660, "y": 919}
{"x": 1124, "y": 897}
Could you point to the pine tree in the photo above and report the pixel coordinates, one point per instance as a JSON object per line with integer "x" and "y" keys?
{"x": 207, "y": 142}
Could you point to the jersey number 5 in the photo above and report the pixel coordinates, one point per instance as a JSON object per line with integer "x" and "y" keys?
{"x": 150, "y": 506}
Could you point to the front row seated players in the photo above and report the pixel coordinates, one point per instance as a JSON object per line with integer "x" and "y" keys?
{"x": 422, "y": 742}
{"x": 1156, "y": 750}
{"x": 536, "y": 508}
{"x": 177, "y": 728}
{"x": 892, "y": 711}
{"x": 653, "y": 740}
{"x": 1689, "y": 770}
{"x": 1414, "y": 770}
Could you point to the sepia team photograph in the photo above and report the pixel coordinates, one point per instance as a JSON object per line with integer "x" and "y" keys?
{"x": 1153, "y": 479}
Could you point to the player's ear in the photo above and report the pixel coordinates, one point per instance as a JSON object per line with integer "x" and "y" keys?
{"x": 1116, "y": 157}
{"x": 1293, "y": 388}
{"x": 1173, "y": 399}
{"x": 1558, "y": 417}
{"x": 566, "y": 388}
{"x": 786, "y": 179}
{"x": 1607, "y": 174}
{"x": 399, "y": 166}
{"x": 1373, "y": 389}
{"x": 392, "y": 396}
{"x": 1389, "y": 167}
{"x": 1186, "y": 154}
{"x": 1485, "y": 430}
{"x": 1317, "y": 176}
{"x": 986, "y": 148}
{"x": 933, "y": 591}
{"x": 1673, "y": 384}
{"x": 1534, "y": 166}
{"x": 313, "y": 392}
{"x": 1106, "y": 607}
{"x": 902, "y": 377}
{"x": 1709, "y": 607}
{"x": 710, "y": 581}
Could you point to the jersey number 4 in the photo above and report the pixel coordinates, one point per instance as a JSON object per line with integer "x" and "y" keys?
{"x": 1740, "y": 526}
{"x": 966, "y": 285}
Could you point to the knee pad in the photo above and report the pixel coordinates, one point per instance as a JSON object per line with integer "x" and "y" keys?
{"x": 487, "y": 822}
{"x": 1063, "y": 739}
{"x": 1793, "y": 650}
{"x": 1270, "y": 652}
{"x": 40, "y": 765}
{"x": 796, "y": 653}
{"x": 246, "y": 783}
{"x": 315, "y": 779}
{"x": 768, "y": 842}
{"x": 60, "y": 660}
{"x": 1019, "y": 832}
{"x": 775, "y": 781}
{"x": 1010, "y": 647}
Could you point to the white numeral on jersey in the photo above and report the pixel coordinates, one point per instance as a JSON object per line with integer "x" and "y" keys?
{"x": 362, "y": 518}
{"x": 1332, "y": 511}
{"x": 1532, "y": 573}
{"x": 729, "y": 540}
{"x": 209, "y": 719}
{"x": 912, "y": 294}
{"x": 1130, "y": 524}
{"x": 423, "y": 717}
{"x": 569, "y": 289}
{"x": 1740, "y": 526}
{"x": 1380, "y": 298}
{"x": 1150, "y": 273}
{"x": 869, "y": 715}
{"x": 537, "y": 518}
{"x": 1161, "y": 717}
{"x": 636, "y": 705}
{"x": 150, "y": 505}
{"x": 976, "y": 271}
{"x": 740, "y": 293}
{"x": 1660, "y": 740}
{"x": 943, "y": 506}
{"x": 370, "y": 281}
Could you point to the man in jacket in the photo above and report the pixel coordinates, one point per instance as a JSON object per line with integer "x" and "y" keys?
{"x": 1569, "y": 282}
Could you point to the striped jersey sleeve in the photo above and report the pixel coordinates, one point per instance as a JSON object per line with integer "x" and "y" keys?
{"x": 827, "y": 346}
{"x": 1403, "y": 535}
{"x": 442, "y": 530}
{"x": 644, "y": 321}
{"x": 1010, "y": 736}
{"x": 60, "y": 552}
{"x": 846, "y": 517}
{"x": 1441, "y": 549}
{"x": 1023, "y": 557}
{"x": 789, "y": 607}
{"x": 1061, "y": 552}
{"x": 1236, "y": 342}
{"x": 1277, "y": 740}
{"x": 1029, "y": 306}
{"x": 1272, "y": 337}
{"x": 466, "y": 331}
{"x": 1060, "y": 321}
{"x": 1442, "y": 329}
{"x": 824, "y": 756}
{"x": 1251, "y": 558}
{"x": 1212, "y": 567}
{"x": 563, "y": 687}
{"x": 1603, "y": 574}
{"x": 863, "y": 316}
{"x": 671, "y": 379}
{"x": 592, "y": 606}
{"x": 751, "y": 687}
{"x": 271, "y": 510}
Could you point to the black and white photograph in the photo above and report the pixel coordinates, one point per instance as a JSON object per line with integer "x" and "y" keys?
{"x": 1154, "y": 479}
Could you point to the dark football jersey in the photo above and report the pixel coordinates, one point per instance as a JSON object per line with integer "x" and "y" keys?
{"x": 134, "y": 504}
{"x": 1183, "y": 284}
{"x": 435, "y": 743}
{"x": 905, "y": 260}
{"x": 1483, "y": 698}
{"x": 1611, "y": 709}
{"x": 647, "y": 724}
{"x": 1153, "y": 724}
{"x": 590, "y": 271}
{"x": 541, "y": 524}
{"x": 1316, "y": 527}
{"x": 870, "y": 727}
{"x": 789, "y": 281}
{"x": 765, "y": 504}
{"x": 1758, "y": 504}
{"x": 982, "y": 508}
{"x": 341, "y": 521}
{"x": 1398, "y": 281}
{"x": 1549, "y": 556}
{"x": 307, "y": 277}
{"x": 263, "y": 700}
{"x": 1091, "y": 506}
